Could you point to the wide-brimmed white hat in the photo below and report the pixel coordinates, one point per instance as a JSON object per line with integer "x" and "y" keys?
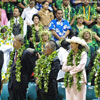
{"x": 79, "y": 41}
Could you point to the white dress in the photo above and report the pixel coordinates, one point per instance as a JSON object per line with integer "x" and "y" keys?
{"x": 72, "y": 93}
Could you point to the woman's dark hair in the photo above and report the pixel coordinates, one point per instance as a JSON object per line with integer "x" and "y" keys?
{"x": 65, "y": 44}
{"x": 80, "y": 47}
{"x": 44, "y": 2}
{"x": 72, "y": 33}
{"x": 37, "y": 16}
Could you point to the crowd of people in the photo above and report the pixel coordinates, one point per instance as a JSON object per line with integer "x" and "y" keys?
{"x": 50, "y": 41}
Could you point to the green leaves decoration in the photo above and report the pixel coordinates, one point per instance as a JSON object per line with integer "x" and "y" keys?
{"x": 18, "y": 63}
{"x": 68, "y": 79}
{"x": 96, "y": 71}
{"x": 21, "y": 22}
{"x": 43, "y": 69}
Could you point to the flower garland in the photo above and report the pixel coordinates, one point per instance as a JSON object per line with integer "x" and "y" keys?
{"x": 18, "y": 63}
{"x": 96, "y": 70}
{"x": 43, "y": 69}
{"x": 7, "y": 34}
{"x": 21, "y": 22}
{"x": 68, "y": 79}
{"x": 34, "y": 33}
{"x": 66, "y": 12}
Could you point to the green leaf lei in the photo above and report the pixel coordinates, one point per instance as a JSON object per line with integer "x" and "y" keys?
{"x": 96, "y": 70}
{"x": 42, "y": 70}
{"x": 18, "y": 63}
{"x": 34, "y": 33}
{"x": 21, "y": 22}
{"x": 68, "y": 79}
{"x": 6, "y": 33}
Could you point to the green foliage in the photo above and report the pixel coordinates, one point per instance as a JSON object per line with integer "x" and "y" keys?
{"x": 96, "y": 71}
{"x": 43, "y": 69}
{"x": 34, "y": 33}
{"x": 18, "y": 63}
{"x": 68, "y": 79}
{"x": 21, "y": 22}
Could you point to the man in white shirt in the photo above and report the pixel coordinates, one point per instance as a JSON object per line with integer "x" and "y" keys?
{"x": 29, "y": 12}
{"x": 62, "y": 55}
{"x": 17, "y": 24}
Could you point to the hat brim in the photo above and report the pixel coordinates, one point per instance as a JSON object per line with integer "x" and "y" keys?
{"x": 79, "y": 42}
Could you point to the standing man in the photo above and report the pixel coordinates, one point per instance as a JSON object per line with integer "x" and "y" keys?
{"x": 29, "y": 12}
{"x": 46, "y": 72}
{"x": 20, "y": 68}
{"x": 17, "y": 24}
{"x": 59, "y": 27}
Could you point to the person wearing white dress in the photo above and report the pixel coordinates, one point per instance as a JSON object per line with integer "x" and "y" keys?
{"x": 75, "y": 77}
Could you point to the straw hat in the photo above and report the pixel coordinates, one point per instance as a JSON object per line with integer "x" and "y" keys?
{"x": 79, "y": 41}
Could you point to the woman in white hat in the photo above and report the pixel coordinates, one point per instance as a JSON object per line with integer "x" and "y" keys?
{"x": 75, "y": 77}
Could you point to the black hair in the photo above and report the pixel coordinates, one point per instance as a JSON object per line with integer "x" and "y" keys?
{"x": 72, "y": 33}
{"x": 37, "y": 16}
{"x": 80, "y": 47}
{"x": 58, "y": 10}
{"x": 65, "y": 44}
{"x": 44, "y": 2}
{"x": 3, "y": 30}
{"x": 17, "y": 8}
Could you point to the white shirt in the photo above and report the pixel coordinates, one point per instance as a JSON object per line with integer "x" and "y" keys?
{"x": 6, "y": 50}
{"x": 24, "y": 26}
{"x": 28, "y": 13}
{"x": 62, "y": 55}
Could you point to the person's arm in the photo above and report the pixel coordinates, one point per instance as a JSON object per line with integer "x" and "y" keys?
{"x": 5, "y": 1}
{"x": 55, "y": 35}
{"x": 72, "y": 21}
{"x": 21, "y": 5}
{"x": 77, "y": 2}
{"x": 5, "y": 18}
{"x": 82, "y": 64}
{"x": 89, "y": 22}
{"x": 52, "y": 16}
{"x": 67, "y": 33}
{"x": 25, "y": 28}
{"x": 23, "y": 14}
{"x": 66, "y": 68}
{"x": 55, "y": 68}
{"x": 97, "y": 37}
{"x": 12, "y": 0}
{"x": 52, "y": 28}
